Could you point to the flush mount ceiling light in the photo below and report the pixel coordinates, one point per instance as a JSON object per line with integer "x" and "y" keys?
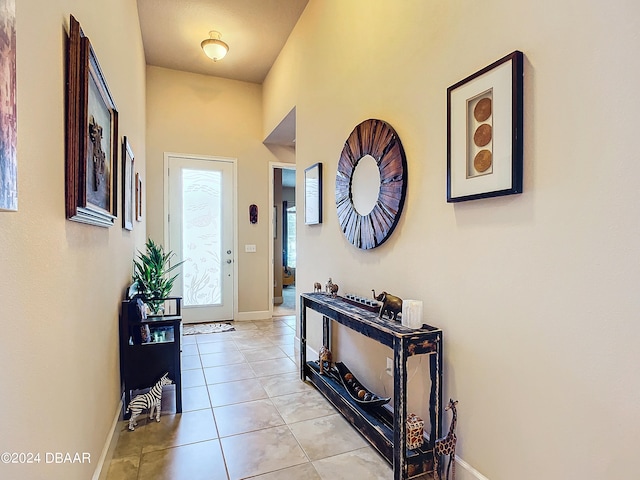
{"x": 213, "y": 47}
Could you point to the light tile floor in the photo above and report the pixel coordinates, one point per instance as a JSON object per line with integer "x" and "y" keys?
{"x": 246, "y": 414}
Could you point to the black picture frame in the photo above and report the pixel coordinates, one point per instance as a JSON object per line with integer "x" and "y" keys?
{"x": 128, "y": 185}
{"x": 313, "y": 194}
{"x": 91, "y": 136}
{"x": 485, "y": 132}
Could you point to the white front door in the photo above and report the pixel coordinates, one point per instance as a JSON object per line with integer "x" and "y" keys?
{"x": 201, "y": 232}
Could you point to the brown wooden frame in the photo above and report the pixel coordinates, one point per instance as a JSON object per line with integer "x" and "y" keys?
{"x": 98, "y": 206}
{"x": 378, "y": 139}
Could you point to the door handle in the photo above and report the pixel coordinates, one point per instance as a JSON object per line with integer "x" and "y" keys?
{"x": 229, "y": 261}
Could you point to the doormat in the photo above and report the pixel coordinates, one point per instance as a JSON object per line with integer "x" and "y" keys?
{"x": 197, "y": 328}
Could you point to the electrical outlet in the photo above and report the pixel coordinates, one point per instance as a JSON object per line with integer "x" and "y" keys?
{"x": 389, "y": 368}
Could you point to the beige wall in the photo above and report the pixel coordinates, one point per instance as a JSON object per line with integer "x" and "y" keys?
{"x": 536, "y": 293}
{"x": 196, "y": 114}
{"x": 61, "y": 282}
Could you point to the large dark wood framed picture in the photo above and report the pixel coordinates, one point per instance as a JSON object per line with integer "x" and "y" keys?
{"x": 92, "y": 137}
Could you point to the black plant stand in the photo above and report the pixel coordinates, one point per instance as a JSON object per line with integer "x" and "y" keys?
{"x": 142, "y": 363}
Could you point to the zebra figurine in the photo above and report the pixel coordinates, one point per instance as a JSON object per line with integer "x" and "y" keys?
{"x": 150, "y": 400}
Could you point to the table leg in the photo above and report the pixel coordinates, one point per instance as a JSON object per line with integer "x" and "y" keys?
{"x": 399, "y": 410}
{"x": 303, "y": 338}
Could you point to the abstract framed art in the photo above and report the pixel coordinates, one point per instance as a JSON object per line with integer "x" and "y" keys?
{"x": 8, "y": 116}
{"x": 128, "y": 186}
{"x": 92, "y": 137}
{"x": 313, "y": 194}
{"x": 485, "y": 132}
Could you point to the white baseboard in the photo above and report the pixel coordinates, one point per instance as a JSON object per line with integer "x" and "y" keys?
{"x": 464, "y": 471}
{"x": 100, "y": 472}
{"x": 257, "y": 315}
{"x": 311, "y": 352}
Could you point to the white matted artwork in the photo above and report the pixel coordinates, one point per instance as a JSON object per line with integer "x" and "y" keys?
{"x": 484, "y": 132}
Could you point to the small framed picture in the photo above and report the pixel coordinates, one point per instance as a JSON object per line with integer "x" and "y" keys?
{"x": 139, "y": 196}
{"x": 128, "y": 186}
{"x": 313, "y": 194}
{"x": 485, "y": 132}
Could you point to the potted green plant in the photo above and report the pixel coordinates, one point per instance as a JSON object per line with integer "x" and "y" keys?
{"x": 151, "y": 275}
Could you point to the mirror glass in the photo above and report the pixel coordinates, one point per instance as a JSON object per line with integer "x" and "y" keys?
{"x": 365, "y": 185}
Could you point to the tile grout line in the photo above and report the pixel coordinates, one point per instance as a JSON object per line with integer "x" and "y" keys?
{"x": 261, "y": 374}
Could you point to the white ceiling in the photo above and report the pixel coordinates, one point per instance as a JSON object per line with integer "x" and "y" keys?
{"x": 255, "y": 30}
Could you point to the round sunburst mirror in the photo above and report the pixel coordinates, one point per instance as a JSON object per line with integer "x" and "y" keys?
{"x": 371, "y": 184}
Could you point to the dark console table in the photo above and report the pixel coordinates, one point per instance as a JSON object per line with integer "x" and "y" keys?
{"x": 149, "y": 348}
{"x": 384, "y": 428}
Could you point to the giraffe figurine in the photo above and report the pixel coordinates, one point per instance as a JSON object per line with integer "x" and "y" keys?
{"x": 447, "y": 445}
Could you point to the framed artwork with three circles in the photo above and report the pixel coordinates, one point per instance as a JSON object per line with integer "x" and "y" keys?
{"x": 485, "y": 132}
{"x": 371, "y": 184}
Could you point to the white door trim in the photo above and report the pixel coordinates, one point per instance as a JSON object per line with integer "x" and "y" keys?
{"x": 234, "y": 207}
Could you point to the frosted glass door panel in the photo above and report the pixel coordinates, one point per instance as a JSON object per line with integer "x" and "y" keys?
{"x": 201, "y": 238}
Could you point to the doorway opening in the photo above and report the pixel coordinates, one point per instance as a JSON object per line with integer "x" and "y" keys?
{"x": 284, "y": 240}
